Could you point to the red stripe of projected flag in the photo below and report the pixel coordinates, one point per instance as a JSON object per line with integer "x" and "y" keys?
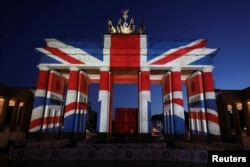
{"x": 64, "y": 56}
{"x": 83, "y": 90}
{"x": 56, "y": 83}
{"x": 180, "y": 52}
{"x": 120, "y": 55}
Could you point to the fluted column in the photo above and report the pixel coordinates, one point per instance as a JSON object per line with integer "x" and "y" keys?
{"x": 4, "y": 113}
{"x": 226, "y": 127}
{"x": 197, "y": 112}
{"x": 246, "y": 109}
{"x": 104, "y": 100}
{"x": 82, "y": 102}
{"x": 39, "y": 100}
{"x": 54, "y": 102}
{"x": 13, "y": 123}
{"x": 25, "y": 116}
{"x": 210, "y": 102}
{"x": 236, "y": 119}
{"x": 144, "y": 101}
{"x": 178, "y": 107}
{"x": 71, "y": 101}
{"x": 167, "y": 104}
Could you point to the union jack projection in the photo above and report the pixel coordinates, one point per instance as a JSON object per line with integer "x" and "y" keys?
{"x": 197, "y": 106}
{"x": 126, "y": 58}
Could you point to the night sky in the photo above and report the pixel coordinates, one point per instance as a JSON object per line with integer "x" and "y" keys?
{"x": 25, "y": 24}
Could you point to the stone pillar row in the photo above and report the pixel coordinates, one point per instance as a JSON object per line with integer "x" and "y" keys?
{"x": 53, "y": 92}
{"x": 203, "y": 115}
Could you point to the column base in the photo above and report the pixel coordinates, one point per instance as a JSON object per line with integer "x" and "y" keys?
{"x": 170, "y": 140}
{"x": 75, "y": 137}
{"x": 103, "y": 137}
{"x": 145, "y": 137}
{"x": 67, "y": 135}
{"x": 79, "y": 136}
{"x": 214, "y": 138}
{"x": 34, "y": 135}
{"x": 199, "y": 138}
{"x": 205, "y": 138}
{"x": 50, "y": 135}
{"x": 182, "y": 137}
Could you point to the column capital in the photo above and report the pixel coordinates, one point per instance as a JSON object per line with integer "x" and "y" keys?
{"x": 83, "y": 72}
{"x": 74, "y": 68}
{"x": 176, "y": 69}
{"x": 55, "y": 72}
{"x": 194, "y": 74}
{"x": 145, "y": 69}
{"x": 166, "y": 73}
{"x": 104, "y": 68}
{"x": 233, "y": 103}
{"x": 207, "y": 69}
{"x": 43, "y": 68}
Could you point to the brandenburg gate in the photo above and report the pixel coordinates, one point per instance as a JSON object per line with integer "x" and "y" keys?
{"x": 125, "y": 54}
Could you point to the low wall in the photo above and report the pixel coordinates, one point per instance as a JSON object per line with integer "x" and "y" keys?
{"x": 111, "y": 152}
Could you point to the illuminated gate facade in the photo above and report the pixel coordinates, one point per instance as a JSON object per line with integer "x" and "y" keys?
{"x": 68, "y": 67}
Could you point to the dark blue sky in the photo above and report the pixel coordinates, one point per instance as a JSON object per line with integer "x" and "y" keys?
{"x": 25, "y": 24}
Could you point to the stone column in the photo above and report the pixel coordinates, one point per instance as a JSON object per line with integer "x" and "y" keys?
{"x": 103, "y": 120}
{"x": 4, "y": 113}
{"x": 210, "y": 103}
{"x": 225, "y": 121}
{"x": 39, "y": 101}
{"x": 24, "y": 117}
{"x": 237, "y": 127}
{"x": 82, "y": 105}
{"x": 53, "y": 104}
{"x": 167, "y": 104}
{"x": 178, "y": 107}
{"x": 144, "y": 105}
{"x": 84, "y": 120}
{"x": 13, "y": 123}
{"x": 236, "y": 119}
{"x": 246, "y": 110}
{"x": 197, "y": 111}
{"x": 71, "y": 101}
